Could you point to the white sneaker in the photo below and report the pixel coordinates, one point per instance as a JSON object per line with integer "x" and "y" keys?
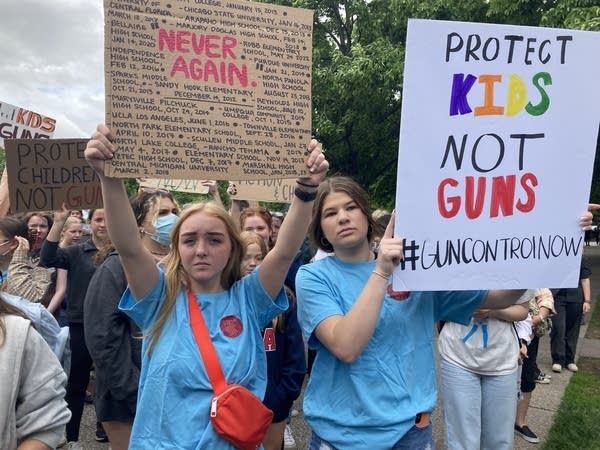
{"x": 556, "y": 368}
{"x": 572, "y": 367}
{"x": 288, "y": 438}
{"x": 74, "y": 445}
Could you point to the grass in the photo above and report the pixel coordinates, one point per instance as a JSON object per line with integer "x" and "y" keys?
{"x": 576, "y": 425}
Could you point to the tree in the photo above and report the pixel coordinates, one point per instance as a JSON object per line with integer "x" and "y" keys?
{"x": 358, "y": 61}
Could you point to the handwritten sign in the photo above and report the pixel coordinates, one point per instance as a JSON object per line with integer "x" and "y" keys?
{"x": 217, "y": 89}
{"x": 44, "y": 173}
{"x": 191, "y": 186}
{"x": 276, "y": 190}
{"x": 497, "y": 141}
{"x": 22, "y": 123}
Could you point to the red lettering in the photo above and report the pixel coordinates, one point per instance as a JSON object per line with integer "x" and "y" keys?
{"x": 502, "y": 196}
{"x": 454, "y": 202}
{"x": 528, "y": 182}
{"x": 269, "y": 340}
{"x": 474, "y": 201}
{"x": 21, "y": 116}
{"x": 183, "y": 41}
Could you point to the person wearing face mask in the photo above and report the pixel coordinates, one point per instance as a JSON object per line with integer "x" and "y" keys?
{"x": 158, "y": 227}
{"x": 113, "y": 339}
{"x": 27, "y": 279}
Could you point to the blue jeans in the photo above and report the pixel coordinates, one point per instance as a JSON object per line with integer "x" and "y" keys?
{"x": 414, "y": 439}
{"x": 479, "y": 410}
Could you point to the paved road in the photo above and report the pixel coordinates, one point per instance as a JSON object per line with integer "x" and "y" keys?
{"x": 544, "y": 404}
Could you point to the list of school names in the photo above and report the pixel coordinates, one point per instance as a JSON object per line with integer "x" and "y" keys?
{"x": 217, "y": 88}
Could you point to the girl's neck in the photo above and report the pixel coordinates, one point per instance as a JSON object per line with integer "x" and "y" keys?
{"x": 360, "y": 253}
{"x": 154, "y": 247}
{"x": 207, "y": 287}
{"x": 98, "y": 242}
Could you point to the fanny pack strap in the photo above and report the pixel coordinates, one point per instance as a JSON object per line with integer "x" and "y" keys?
{"x": 205, "y": 345}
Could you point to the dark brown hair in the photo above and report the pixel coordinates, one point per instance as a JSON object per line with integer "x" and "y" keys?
{"x": 355, "y": 192}
{"x": 12, "y": 226}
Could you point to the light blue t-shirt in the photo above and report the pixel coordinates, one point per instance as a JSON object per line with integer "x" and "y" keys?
{"x": 372, "y": 402}
{"x": 175, "y": 392}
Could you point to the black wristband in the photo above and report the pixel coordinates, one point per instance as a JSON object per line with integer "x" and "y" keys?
{"x": 305, "y": 196}
{"x": 301, "y": 183}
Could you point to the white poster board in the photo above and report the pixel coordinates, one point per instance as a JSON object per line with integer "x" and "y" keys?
{"x": 21, "y": 123}
{"x": 497, "y": 142}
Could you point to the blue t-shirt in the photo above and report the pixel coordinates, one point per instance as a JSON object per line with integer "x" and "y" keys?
{"x": 174, "y": 395}
{"x": 372, "y": 402}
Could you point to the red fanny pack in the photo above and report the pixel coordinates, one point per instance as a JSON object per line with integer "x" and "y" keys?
{"x": 236, "y": 414}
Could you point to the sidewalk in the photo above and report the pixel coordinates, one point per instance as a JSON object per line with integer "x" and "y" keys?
{"x": 545, "y": 400}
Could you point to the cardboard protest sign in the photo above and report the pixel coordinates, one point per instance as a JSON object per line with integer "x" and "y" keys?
{"x": 22, "y": 123}
{"x": 45, "y": 173}
{"x": 191, "y": 186}
{"x": 208, "y": 90}
{"x": 275, "y": 190}
{"x": 495, "y": 120}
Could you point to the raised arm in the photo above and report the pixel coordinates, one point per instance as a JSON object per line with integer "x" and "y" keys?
{"x": 235, "y": 209}
{"x": 213, "y": 190}
{"x": 276, "y": 264}
{"x": 346, "y": 336}
{"x": 50, "y": 254}
{"x": 140, "y": 267}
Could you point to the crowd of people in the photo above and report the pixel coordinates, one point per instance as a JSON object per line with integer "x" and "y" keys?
{"x": 115, "y": 292}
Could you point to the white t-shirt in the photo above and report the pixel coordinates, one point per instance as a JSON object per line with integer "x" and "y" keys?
{"x": 487, "y": 346}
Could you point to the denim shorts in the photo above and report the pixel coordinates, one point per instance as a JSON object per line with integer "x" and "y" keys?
{"x": 415, "y": 439}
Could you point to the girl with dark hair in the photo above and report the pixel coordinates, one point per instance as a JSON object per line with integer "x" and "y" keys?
{"x": 21, "y": 273}
{"x": 203, "y": 266}
{"x": 374, "y": 345}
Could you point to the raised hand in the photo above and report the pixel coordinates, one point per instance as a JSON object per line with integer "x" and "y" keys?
{"x": 391, "y": 249}
{"x": 316, "y": 163}
{"x": 61, "y": 215}
{"x": 100, "y": 148}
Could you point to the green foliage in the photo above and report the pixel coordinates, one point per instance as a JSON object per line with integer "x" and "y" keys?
{"x": 576, "y": 14}
{"x": 576, "y": 423}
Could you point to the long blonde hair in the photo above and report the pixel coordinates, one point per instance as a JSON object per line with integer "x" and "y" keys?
{"x": 177, "y": 278}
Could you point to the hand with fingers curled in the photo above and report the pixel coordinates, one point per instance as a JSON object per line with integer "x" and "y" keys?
{"x": 317, "y": 166}
{"x": 100, "y": 148}
{"x": 585, "y": 221}
{"x": 391, "y": 249}
{"x": 211, "y": 185}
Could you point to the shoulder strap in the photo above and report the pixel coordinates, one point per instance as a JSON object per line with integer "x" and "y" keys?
{"x": 206, "y": 347}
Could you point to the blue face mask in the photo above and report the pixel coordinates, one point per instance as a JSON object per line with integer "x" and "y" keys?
{"x": 164, "y": 226}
